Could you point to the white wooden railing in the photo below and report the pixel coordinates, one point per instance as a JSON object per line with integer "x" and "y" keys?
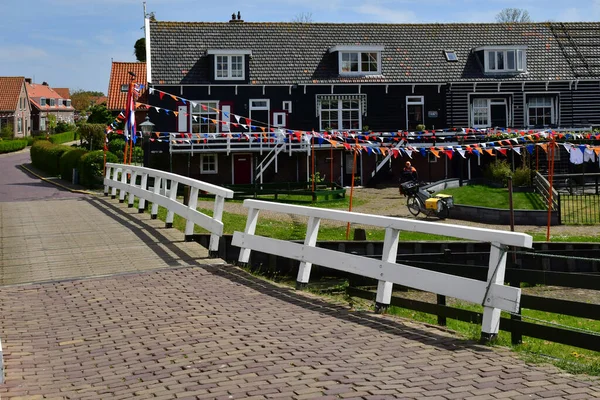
{"x": 164, "y": 193}
{"x": 492, "y": 294}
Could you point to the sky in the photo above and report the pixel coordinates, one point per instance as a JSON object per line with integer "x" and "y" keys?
{"x": 71, "y": 43}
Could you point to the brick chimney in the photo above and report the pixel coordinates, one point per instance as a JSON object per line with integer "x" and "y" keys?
{"x": 28, "y": 80}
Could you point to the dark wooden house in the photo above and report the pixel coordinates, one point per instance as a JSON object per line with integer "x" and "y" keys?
{"x": 222, "y": 79}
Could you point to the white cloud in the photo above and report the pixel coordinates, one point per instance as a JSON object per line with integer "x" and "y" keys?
{"x": 22, "y": 53}
{"x": 383, "y": 14}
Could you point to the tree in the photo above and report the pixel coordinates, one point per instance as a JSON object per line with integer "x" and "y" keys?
{"x": 81, "y": 99}
{"x": 509, "y": 15}
{"x": 99, "y": 114}
{"x": 140, "y": 50}
{"x": 51, "y": 123}
{"x": 303, "y": 18}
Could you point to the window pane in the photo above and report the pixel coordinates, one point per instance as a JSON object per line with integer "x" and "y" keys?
{"x": 510, "y": 60}
{"x": 237, "y": 67}
{"x": 492, "y": 60}
{"x": 500, "y": 60}
{"x": 369, "y": 62}
{"x": 520, "y": 60}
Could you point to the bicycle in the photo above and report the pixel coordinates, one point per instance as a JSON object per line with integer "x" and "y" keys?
{"x": 420, "y": 201}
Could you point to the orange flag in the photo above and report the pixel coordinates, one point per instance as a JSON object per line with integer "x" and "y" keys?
{"x": 490, "y": 152}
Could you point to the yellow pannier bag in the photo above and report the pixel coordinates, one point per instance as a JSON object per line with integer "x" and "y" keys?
{"x": 432, "y": 203}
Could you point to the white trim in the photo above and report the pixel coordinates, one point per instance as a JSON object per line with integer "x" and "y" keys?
{"x": 420, "y": 102}
{"x": 284, "y": 119}
{"x": 287, "y": 106}
{"x": 555, "y": 110}
{"x": 228, "y": 52}
{"x": 510, "y": 105}
{"x": 209, "y": 171}
{"x": 356, "y": 48}
{"x": 148, "y": 50}
{"x": 360, "y": 72}
{"x": 501, "y": 47}
{"x": 505, "y": 51}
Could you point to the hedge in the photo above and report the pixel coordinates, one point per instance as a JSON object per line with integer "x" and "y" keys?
{"x": 46, "y": 156}
{"x": 91, "y": 167}
{"x": 68, "y": 161}
{"x": 8, "y": 146}
{"x": 60, "y": 138}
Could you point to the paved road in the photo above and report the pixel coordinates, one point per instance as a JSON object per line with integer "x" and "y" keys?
{"x": 167, "y": 322}
{"x": 16, "y": 185}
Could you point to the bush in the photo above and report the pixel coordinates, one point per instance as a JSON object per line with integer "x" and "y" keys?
{"x": 93, "y": 134}
{"x": 6, "y": 132}
{"x": 138, "y": 155}
{"x": 420, "y": 128}
{"x": 63, "y": 126}
{"x": 8, "y": 146}
{"x": 117, "y": 147}
{"x": 46, "y": 156}
{"x": 91, "y": 167}
{"x": 68, "y": 161}
{"x": 62, "y": 137}
{"x": 498, "y": 172}
{"x": 522, "y": 176}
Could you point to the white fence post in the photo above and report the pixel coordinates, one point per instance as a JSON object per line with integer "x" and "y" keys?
{"x": 312, "y": 232}
{"x": 144, "y": 187}
{"x": 133, "y": 183}
{"x": 107, "y": 176}
{"x": 157, "y": 183}
{"x": 250, "y": 229}
{"x": 192, "y": 204}
{"x": 172, "y": 196}
{"x": 122, "y": 191}
{"x": 218, "y": 215}
{"x": 113, "y": 193}
{"x": 496, "y": 272}
{"x": 390, "y": 253}
{"x": 1, "y": 364}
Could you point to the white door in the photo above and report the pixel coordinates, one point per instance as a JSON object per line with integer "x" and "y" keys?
{"x": 225, "y": 117}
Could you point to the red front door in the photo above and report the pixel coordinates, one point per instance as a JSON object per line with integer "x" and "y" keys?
{"x": 242, "y": 169}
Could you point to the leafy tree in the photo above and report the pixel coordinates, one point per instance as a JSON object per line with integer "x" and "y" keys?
{"x": 304, "y": 17}
{"x": 140, "y": 50}
{"x": 81, "y": 99}
{"x": 51, "y": 123}
{"x": 93, "y": 135}
{"x": 509, "y": 15}
{"x": 99, "y": 114}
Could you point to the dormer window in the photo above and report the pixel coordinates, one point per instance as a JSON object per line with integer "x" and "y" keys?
{"x": 42, "y": 101}
{"x": 504, "y": 59}
{"x": 358, "y": 60}
{"x": 68, "y": 103}
{"x": 52, "y": 102}
{"x": 229, "y": 64}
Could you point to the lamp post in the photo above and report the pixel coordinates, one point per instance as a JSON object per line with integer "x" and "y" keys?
{"x": 146, "y": 127}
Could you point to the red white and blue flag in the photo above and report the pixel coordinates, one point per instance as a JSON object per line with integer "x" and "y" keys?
{"x": 130, "y": 115}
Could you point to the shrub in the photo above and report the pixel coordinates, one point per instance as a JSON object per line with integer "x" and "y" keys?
{"x": 138, "y": 155}
{"x": 93, "y": 134}
{"x": 62, "y": 137}
{"x": 8, "y": 146}
{"x": 46, "y": 156}
{"x": 117, "y": 147}
{"x": 522, "y": 176}
{"x": 498, "y": 171}
{"x": 420, "y": 128}
{"x": 91, "y": 167}
{"x": 6, "y": 132}
{"x": 63, "y": 126}
{"x": 68, "y": 161}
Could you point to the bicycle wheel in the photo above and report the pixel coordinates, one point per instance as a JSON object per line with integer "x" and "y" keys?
{"x": 414, "y": 205}
{"x": 444, "y": 211}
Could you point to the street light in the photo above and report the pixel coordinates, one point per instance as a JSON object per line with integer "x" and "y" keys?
{"x": 146, "y": 127}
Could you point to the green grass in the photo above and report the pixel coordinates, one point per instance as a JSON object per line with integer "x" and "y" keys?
{"x": 485, "y": 196}
{"x": 569, "y": 358}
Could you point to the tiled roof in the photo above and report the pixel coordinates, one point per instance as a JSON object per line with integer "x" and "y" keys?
{"x": 10, "y": 90}
{"x": 37, "y": 91}
{"x": 119, "y": 75}
{"x": 63, "y": 92}
{"x": 285, "y": 53}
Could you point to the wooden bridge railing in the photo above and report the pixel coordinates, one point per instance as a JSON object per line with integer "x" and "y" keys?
{"x": 164, "y": 193}
{"x": 492, "y": 293}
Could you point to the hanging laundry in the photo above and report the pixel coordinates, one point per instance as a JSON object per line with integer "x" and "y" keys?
{"x": 589, "y": 155}
{"x": 576, "y": 156}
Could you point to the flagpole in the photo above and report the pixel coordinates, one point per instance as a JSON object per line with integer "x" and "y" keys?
{"x": 352, "y": 185}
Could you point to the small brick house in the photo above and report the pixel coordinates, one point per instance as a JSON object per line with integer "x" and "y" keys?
{"x": 15, "y": 109}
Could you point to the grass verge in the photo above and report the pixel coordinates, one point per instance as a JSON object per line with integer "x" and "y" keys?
{"x": 485, "y": 196}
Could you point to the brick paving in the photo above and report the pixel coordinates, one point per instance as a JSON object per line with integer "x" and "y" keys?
{"x": 178, "y": 324}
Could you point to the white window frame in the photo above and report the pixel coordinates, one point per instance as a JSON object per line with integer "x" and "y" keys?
{"x": 52, "y": 102}
{"x": 42, "y": 101}
{"x": 124, "y": 88}
{"x": 340, "y": 114}
{"x": 553, "y": 96}
{"x": 43, "y": 124}
{"x": 230, "y": 62}
{"x": 208, "y": 113}
{"x": 253, "y": 106}
{"x": 489, "y": 102}
{"x": 520, "y": 59}
{"x": 454, "y": 57}
{"x": 68, "y": 103}
{"x": 276, "y": 116}
{"x": 287, "y": 106}
{"x": 214, "y": 161}
{"x": 359, "y": 51}
{"x": 415, "y": 101}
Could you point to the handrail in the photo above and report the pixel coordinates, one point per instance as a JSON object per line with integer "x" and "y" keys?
{"x": 164, "y": 193}
{"x": 542, "y": 185}
{"x": 493, "y": 295}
